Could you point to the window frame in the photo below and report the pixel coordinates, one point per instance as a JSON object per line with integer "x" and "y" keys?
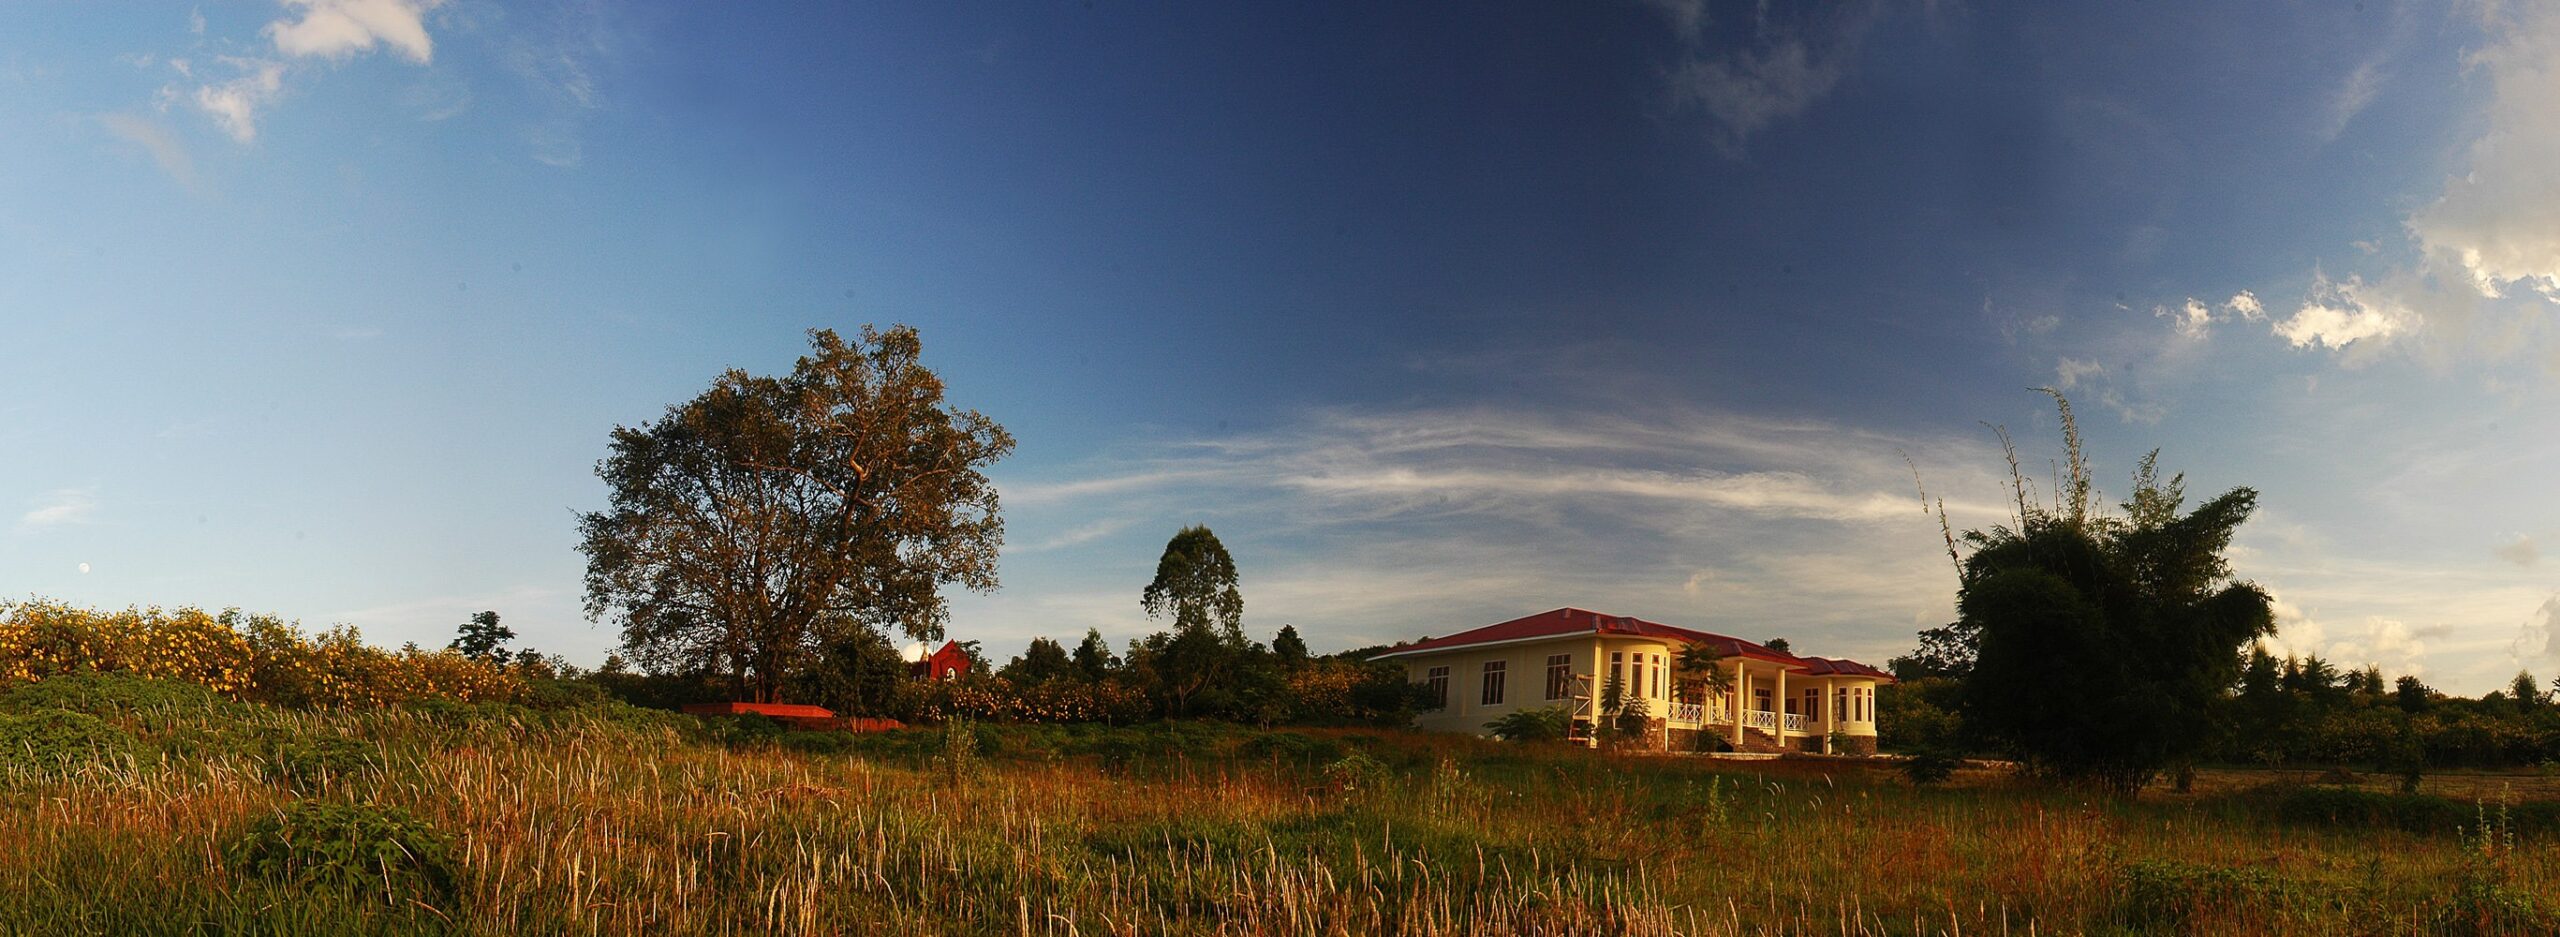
{"x": 1496, "y": 674}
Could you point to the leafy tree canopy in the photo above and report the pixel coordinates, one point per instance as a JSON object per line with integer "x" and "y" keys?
{"x": 1196, "y": 584}
{"x": 482, "y": 638}
{"x": 1291, "y": 649}
{"x": 2105, "y": 643}
{"x": 756, "y": 521}
{"x": 1043, "y": 661}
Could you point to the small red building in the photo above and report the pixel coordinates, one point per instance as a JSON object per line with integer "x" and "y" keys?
{"x": 949, "y": 663}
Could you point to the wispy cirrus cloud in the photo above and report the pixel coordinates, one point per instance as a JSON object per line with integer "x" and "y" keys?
{"x": 1362, "y": 525}
{"x": 60, "y": 507}
{"x": 1745, "y": 76}
{"x": 155, "y": 139}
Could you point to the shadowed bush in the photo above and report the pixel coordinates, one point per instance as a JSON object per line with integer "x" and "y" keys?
{"x": 54, "y": 742}
{"x": 365, "y": 851}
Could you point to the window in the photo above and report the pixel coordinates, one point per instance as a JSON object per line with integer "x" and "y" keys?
{"x": 1840, "y": 704}
{"x": 1636, "y": 688}
{"x": 1657, "y": 676}
{"x": 1618, "y": 670}
{"x": 1760, "y": 696}
{"x": 1813, "y": 704}
{"x": 1559, "y": 675}
{"x": 1493, "y": 681}
{"x": 1438, "y": 680}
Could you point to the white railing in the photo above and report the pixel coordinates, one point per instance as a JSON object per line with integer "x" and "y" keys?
{"x": 1691, "y": 713}
{"x": 1795, "y": 722}
{"x": 1760, "y": 719}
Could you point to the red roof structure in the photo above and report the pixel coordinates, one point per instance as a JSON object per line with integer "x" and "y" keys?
{"x": 1573, "y": 621}
{"x": 949, "y": 663}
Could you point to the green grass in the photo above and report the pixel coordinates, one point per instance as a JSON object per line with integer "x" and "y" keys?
{"x": 605, "y": 819}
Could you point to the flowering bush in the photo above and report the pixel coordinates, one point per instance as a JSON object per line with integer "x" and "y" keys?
{"x": 247, "y": 657}
{"x": 1000, "y": 700}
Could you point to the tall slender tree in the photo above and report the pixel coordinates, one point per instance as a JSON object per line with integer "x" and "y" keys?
{"x": 1196, "y": 584}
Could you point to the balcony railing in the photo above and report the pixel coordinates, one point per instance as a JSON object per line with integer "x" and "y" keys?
{"x": 1760, "y": 719}
{"x": 1795, "y": 722}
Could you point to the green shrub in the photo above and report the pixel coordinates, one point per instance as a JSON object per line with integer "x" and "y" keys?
{"x": 310, "y": 763}
{"x": 1289, "y": 747}
{"x": 1533, "y": 725}
{"x": 2165, "y": 895}
{"x": 1930, "y": 766}
{"x": 366, "y": 851}
{"x": 55, "y": 742}
{"x": 1355, "y": 771}
{"x": 113, "y": 694}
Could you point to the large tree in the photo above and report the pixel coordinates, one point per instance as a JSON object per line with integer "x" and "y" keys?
{"x": 2106, "y": 644}
{"x": 1196, "y": 584}
{"x": 769, "y": 515}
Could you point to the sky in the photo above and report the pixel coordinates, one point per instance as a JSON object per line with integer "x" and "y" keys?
{"x": 1439, "y": 314}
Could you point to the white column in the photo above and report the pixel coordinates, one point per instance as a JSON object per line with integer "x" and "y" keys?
{"x": 1741, "y": 691}
{"x": 1830, "y": 703}
{"x": 1778, "y": 708}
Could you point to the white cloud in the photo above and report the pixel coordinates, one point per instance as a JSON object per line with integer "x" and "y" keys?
{"x": 60, "y": 507}
{"x": 2351, "y": 98}
{"x": 235, "y": 104}
{"x": 2539, "y": 637}
{"x": 338, "y": 29}
{"x": 156, "y": 140}
{"x": 2194, "y": 318}
{"x": 324, "y": 29}
{"x": 1082, "y": 534}
{"x": 2499, "y": 219}
{"x": 2520, "y": 551}
{"x": 2245, "y": 305}
{"x": 2386, "y": 643}
{"x": 1765, "y": 74}
{"x": 1367, "y": 526}
{"x": 2342, "y": 313}
{"x": 2297, "y": 633}
{"x": 2069, "y": 372}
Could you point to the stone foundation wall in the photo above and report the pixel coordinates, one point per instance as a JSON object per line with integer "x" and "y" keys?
{"x": 1855, "y": 745}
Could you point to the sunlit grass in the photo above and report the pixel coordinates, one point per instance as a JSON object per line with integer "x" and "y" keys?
{"x": 615, "y": 822}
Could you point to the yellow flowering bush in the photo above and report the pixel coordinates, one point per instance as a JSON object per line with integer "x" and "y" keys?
{"x": 248, "y": 657}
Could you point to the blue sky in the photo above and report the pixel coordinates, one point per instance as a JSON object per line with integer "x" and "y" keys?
{"x": 1438, "y": 314}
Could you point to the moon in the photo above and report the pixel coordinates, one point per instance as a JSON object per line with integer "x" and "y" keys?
{"x": 84, "y": 569}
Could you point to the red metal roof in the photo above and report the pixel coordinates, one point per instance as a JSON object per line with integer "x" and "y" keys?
{"x": 1572, "y": 621}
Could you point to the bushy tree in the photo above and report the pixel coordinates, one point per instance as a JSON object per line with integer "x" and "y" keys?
{"x": 2412, "y": 694}
{"x": 857, "y": 672}
{"x": 483, "y": 639}
{"x": 2106, "y": 643}
{"x": 1044, "y": 660}
{"x": 1196, "y": 584}
{"x": 1093, "y": 658}
{"x": 771, "y": 514}
{"x": 1945, "y": 651}
{"x": 1291, "y": 649}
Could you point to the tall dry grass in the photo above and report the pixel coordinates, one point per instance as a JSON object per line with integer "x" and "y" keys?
{"x": 610, "y": 821}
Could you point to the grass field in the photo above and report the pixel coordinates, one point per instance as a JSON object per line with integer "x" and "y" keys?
{"x": 190, "y": 814}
